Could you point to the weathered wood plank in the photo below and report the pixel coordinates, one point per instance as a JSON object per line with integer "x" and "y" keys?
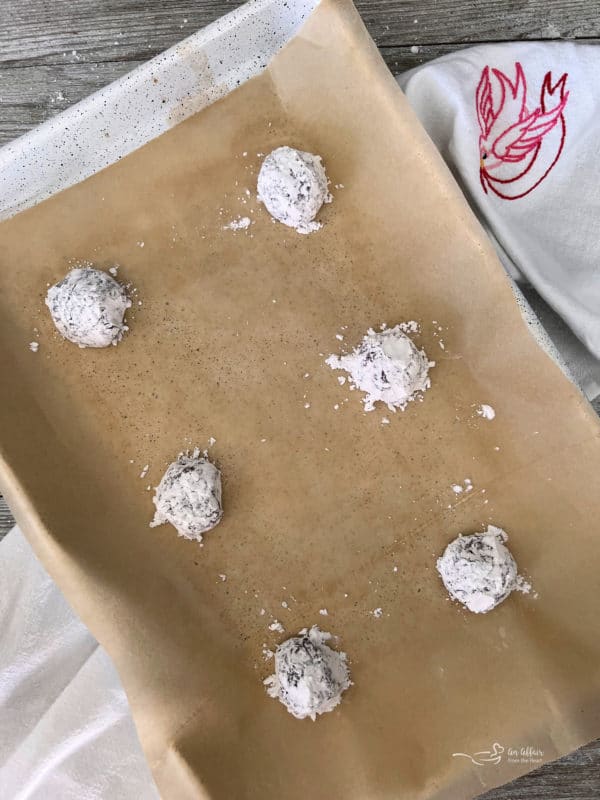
{"x": 397, "y": 22}
{"x": 6, "y": 519}
{"x": 399, "y": 58}
{"x": 30, "y": 95}
{"x": 573, "y": 777}
{"x": 35, "y": 31}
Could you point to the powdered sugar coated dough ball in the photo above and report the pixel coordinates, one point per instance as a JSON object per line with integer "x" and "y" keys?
{"x": 388, "y": 367}
{"x": 309, "y": 676}
{"x": 189, "y": 496}
{"x": 88, "y": 307}
{"x": 479, "y": 570}
{"x": 293, "y": 186}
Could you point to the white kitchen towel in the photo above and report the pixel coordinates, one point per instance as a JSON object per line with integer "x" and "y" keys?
{"x": 66, "y": 732}
{"x": 519, "y": 126}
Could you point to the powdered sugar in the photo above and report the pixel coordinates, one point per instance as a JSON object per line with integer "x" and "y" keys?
{"x": 276, "y": 626}
{"x": 239, "y": 224}
{"x": 485, "y": 411}
{"x": 466, "y": 486}
{"x": 387, "y": 366}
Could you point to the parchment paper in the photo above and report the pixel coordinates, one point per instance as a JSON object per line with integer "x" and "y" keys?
{"x": 318, "y": 513}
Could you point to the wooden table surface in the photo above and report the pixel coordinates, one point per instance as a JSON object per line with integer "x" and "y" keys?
{"x": 55, "y": 52}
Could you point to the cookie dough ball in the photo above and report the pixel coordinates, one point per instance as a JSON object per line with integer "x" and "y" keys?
{"x": 388, "y": 367}
{"x": 479, "y": 570}
{"x": 88, "y": 308}
{"x": 189, "y": 496}
{"x": 293, "y": 186}
{"x": 309, "y": 676}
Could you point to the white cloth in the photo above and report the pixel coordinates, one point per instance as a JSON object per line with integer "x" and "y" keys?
{"x": 66, "y": 732}
{"x": 518, "y": 124}
{"x": 65, "y": 728}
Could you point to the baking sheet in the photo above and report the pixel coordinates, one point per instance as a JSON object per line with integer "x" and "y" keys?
{"x": 331, "y": 500}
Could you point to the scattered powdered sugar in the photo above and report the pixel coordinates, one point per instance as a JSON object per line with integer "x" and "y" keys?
{"x": 276, "y": 626}
{"x": 144, "y": 471}
{"x": 479, "y": 570}
{"x": 485, "y": 411}
{"x": 377, "y": 613}
{"x": 309, "y": 676}
{"x": 524, "y": 586}
{"x": 267, "y": 653}
{"x": 223, "y": 577}
{"x": 292, "y": 185}
{"x": 412, "y": 326}
{"x": 34, "y": 346}
{"x": 387, "y": 366}
{"x": 323, "y": 612}
{"x": 239, "y": 224}
{"x": 467, "y": 486}
{"x": 114, "y": 270}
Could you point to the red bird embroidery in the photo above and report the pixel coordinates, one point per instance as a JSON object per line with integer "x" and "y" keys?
{"x": 518, "y": 147}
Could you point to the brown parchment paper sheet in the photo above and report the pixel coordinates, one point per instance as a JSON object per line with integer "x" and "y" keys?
{"x": 318, "y": 514}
